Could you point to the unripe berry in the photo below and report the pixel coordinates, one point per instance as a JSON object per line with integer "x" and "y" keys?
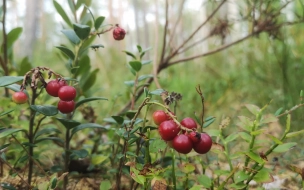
{"x": 19, "y": 97}
{"x": 119, "y": 33}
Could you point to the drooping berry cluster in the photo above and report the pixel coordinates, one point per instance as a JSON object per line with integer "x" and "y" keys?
{"x": 66, "y": 94}
{"x": 182, "y": 136}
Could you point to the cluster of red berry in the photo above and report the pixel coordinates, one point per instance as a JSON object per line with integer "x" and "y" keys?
{"x": 66, "y": 94}
{"x": 183, "y": 141}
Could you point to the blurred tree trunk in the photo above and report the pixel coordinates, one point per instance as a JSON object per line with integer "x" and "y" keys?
{"x": 31, "y": 24}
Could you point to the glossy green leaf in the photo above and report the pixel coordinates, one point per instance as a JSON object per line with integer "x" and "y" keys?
{"x": 45, "y": 110}
{"x": 245, "y": 123}
{"x": 240, "y": 176}
{"x": 4, "y": 146}
{"x": 69, "y": 124}
{"x": 25, "y": 66}
{"x": 292, "y": 134}
{"x": 157, "y": 145}
{"x": 274, "y": 139}
{"x": 46, "y": 131}
{"x": 136, "y": 65}
{"x": 231, "y": 137}
{"x": 62, "y": 13}
{"x": 278, "y": 112}
{"x": 86, "y": 126}
{"x": 214, "y": 132}
{"x": 144, "y": 52}
{"x": 98, "y": 22}
{"x": 263, "y": 176}
{"x": 257, "y": 132}
{"x": 13, "y": 35}
{"x": 84, "y": 66}
{"x": 71, "y": 35}
{"x": 10, "y": 131}
{"x": 143, "y": 77}
{"x": 188, "y": 168}
{"x": 138, "y": 178}
{"x": 157, "y": 92}
{"x": 53, "y": 183}
{"x": 54, "y": 139}
{"x": 146, "y": 62}
{"x": 88, "y": 81}
{"x": 255, "y": 157}
{"x": 7, "y": 186}
{"x": 129, "y": 83}
{"x": 98, "y": 158}
{"x": 131, "y": 154}
{"x": 284, "y": 147}
{"x": 82, "y": 153}
{"x": 7, "y": 80}
{"x": 208, "y": 122}
{"x": 205, "y": 181}
{"x": 139, "y": 48}
{"x": 82, "y": 31}
{"x": 88, "y": 100}
{"x": 245, "y": 136}
{"x": 118, "y": 119}
{"x": 269, "y": 119}
{"x": 67, "y": 51}
{"x": 130, "y": 54}
{"x": 151, "y": 128}
{"x": 6, "y": 112}
{"x": 105, "y": 185}
{"x": 253, "y": 108}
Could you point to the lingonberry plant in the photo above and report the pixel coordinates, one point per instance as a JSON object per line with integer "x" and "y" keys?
{"x": 150, "y": 143}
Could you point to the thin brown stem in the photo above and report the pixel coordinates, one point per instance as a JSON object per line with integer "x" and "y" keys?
{"x": 212, "y": 51}
{"x": 165, "y": 33}
{"x": 198, "y": 28}
{"x": 4, "y": 45}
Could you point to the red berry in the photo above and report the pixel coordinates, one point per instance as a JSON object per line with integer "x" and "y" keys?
{"x": 160, "y": 116}
{"x": 204, "y": 145}
{"x": 189, "y": 123}
{"x": 53, "y": 86}
{"x": 168, "y": 130}
{"x": 19, "y": 97}
{"x": 194, "y": 136}
{"x": 66, "y": 106}
{"x": 67, "y": 93}
{"x": 119, "y": 33}
{"x": 182, "y": 144}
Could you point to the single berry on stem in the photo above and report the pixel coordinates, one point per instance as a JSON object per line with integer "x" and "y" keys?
{"x": 53, "y": 87}
{"x": 159, "y": 116}
{"x": 189, "y": 123}
{"x": 67, "y": 93}
{"x": 19, "y": 97}
{"x": 66, "y": 106}
{"x": 204, "y": 145}
{"x": 119, "y": 33}
{"x": 168, "y": 130}
{"x": 182, "y": 144}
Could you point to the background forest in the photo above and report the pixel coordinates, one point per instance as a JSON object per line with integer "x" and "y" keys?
{"x": 237, "y": 52}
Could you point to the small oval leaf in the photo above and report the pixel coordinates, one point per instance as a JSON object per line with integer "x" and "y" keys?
{"x": 67, "y": 51}
{"x": 69, "y": 124}
{"x": 98, "y": 22}
{"x": 82, "y": 31}
{"x": 89, "y": 100}
{"x": 45, "y": 110}
{"x": 86, "y": 126}
{"x": 71, "y": 35}
{"x": 7, "y": 80}
{"x": 7, "y": 132}
{"x": 136, "y": 65}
